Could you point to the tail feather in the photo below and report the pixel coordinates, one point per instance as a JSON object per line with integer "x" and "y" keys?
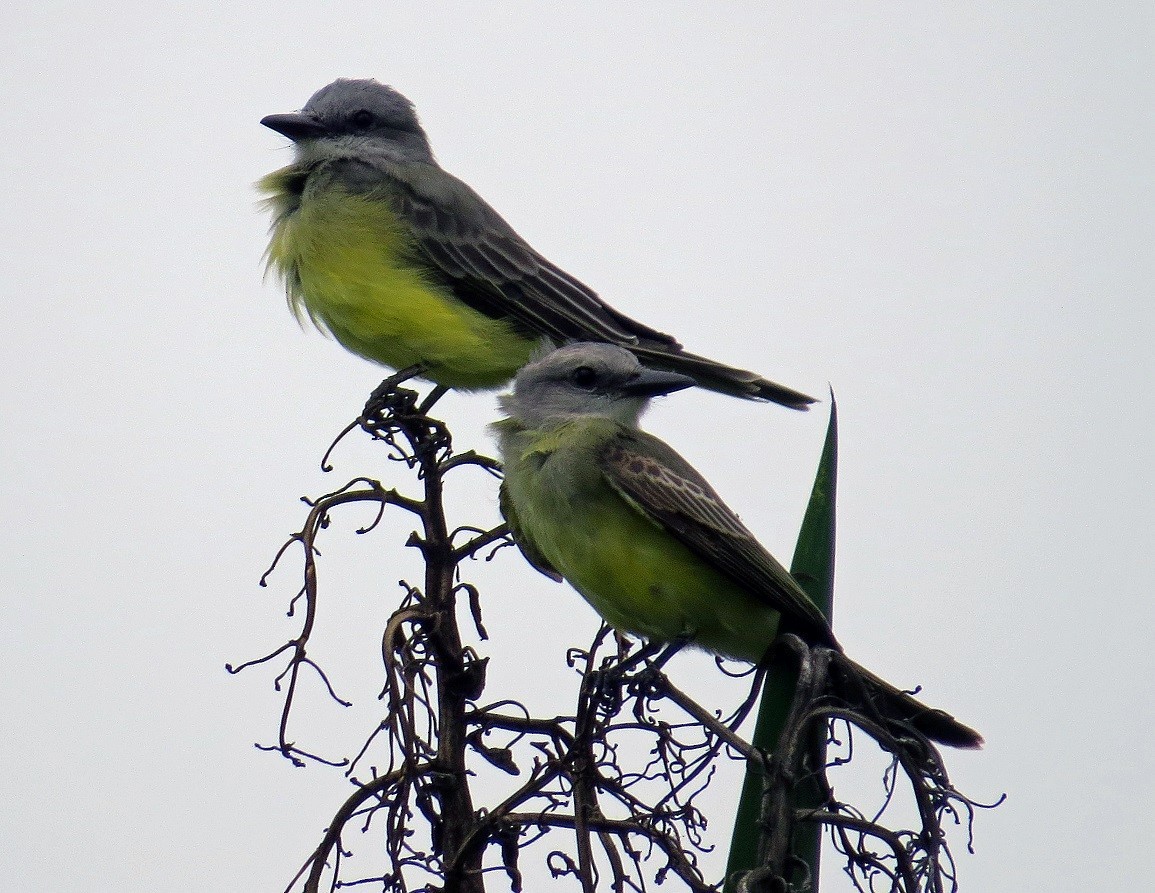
{"x": 891, "y": 703}
{"x": 715, "y": 376}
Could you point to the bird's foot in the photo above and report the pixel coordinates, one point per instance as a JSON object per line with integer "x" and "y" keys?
{"x": 669, "y": 651}
{"x": 650, "y": 679}
{"x": 389, "y": 396}
{"x": 431, "y": 399}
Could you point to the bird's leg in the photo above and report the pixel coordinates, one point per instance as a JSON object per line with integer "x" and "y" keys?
{"x": 669, "y": 651}
{"x": 642, "y": 655}
{"x": 624, "y": 644}
{"x": 650, "y": 682}
{"x": 609, "y": 679}
{"x": 380, "y": 401}
{"x": 431, "y": 398}
{"x": 654, "y": 656}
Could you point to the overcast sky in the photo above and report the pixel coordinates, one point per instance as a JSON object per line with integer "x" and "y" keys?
{"x": 944, "y": 213}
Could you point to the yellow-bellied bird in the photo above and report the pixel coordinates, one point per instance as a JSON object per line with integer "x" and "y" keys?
{"x": 639, "y": 533}
{"x": 407, "y": 266}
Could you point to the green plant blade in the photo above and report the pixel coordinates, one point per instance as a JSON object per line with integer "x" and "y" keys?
{"x": 813, "y": 567}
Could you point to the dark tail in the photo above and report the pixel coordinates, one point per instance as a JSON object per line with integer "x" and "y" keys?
{"x": 716, "y": 377}
{"x": 859, "y": 684}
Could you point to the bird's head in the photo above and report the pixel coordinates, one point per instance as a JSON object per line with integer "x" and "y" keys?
{"x": 587, "y": 379}
{"x": 349, "y": 116}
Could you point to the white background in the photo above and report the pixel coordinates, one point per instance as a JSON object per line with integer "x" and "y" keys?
{"x": 945, "y": 213}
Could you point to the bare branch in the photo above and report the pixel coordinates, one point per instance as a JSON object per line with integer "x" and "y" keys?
{"x": 606, "y": 794}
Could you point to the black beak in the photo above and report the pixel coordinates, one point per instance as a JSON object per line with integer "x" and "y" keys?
{"x": 654, "y": 382}
{"x": 296, "y": 126}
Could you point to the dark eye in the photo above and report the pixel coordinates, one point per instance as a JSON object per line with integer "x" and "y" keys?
{"x": 363, "y": 119}
{"x": 583, "y": 377}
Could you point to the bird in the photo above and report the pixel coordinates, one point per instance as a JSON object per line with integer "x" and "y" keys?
{"x": 407, "y": 266}
{"x": 593, "y": 500}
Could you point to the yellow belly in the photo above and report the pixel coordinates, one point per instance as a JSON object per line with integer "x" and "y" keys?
{"x": 347, "y": 264}
{"x": 641, "y": 580}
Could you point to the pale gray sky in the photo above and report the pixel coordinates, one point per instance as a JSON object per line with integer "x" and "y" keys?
{"x": 946, "y": 213}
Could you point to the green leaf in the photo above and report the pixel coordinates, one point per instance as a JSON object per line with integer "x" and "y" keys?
{"x": 813, "y": 567}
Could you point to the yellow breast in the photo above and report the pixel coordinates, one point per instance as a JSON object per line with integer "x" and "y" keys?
{"x": 349, "y": 265}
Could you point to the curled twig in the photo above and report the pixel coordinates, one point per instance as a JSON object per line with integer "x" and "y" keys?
{"x": 623, "y": 821}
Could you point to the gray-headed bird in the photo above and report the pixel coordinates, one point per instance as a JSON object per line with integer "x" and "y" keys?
{"x": 640, "y": 534}
{"x": 407, "y": 266}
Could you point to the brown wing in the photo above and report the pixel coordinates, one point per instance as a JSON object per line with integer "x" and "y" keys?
{"x": 490, "y": 266}
{"x": 667, "y": 489}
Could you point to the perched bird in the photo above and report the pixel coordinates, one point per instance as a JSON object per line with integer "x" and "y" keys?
{"x": 407, "y": 266}
{"x": 639, "y": 533}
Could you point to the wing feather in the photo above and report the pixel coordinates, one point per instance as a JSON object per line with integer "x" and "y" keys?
{"x": 667, "y": 489}
{"x": 478, "y": 252}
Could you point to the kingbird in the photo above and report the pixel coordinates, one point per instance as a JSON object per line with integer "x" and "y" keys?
{"x": 640, "y": 534}
{"x": 407, "y": 266}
